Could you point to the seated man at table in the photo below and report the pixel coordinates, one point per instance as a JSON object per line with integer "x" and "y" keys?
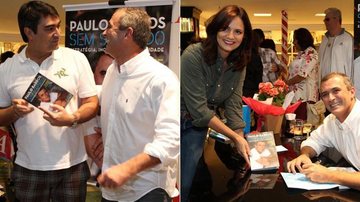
{"x": 340, "y": 130}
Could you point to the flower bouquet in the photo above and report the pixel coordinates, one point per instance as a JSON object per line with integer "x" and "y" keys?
{"x": 277, "y": 92}
{"x": 272, "y": 102}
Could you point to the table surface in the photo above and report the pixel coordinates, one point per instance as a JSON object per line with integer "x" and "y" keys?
{"x": 237, "y": 185}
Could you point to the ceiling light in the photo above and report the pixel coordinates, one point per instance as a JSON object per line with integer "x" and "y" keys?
{"x": 262, "y": 14}
{"x": 320, "y": 14}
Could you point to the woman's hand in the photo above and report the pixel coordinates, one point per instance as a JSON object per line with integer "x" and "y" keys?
{"x": 243, "y": 148}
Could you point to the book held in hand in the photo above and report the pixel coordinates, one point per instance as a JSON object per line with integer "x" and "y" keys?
{"x": 218, "y": 136}
{"x": 263, "y": 154}
{"x": 44, "y": 92}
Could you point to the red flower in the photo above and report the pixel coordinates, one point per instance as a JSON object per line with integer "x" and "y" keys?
{"x": 277, "y": 91}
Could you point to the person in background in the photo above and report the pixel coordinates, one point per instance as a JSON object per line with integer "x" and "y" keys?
{"x": 268, "y": 43}
{"x": 254, "y": 74}
{"x": 50, "y": 162}
{"x": 254, "y": 69}
{"x": 336, "y": 48}
{"x": 99, "y": 63}
{"x": 5, "y": 55}
{"x": 336, "y": 54}
{"x": 303, "y": 73}
{"x": 340, "y": 130}
{"x": 271, "y": 63}
{"x": 212, "y": 76}
{"x": 140, "y": 115}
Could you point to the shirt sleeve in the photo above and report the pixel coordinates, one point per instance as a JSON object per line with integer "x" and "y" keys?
{"x": 5, "y": 99}
{"x": 233, "y": 106}
{"x": 281, "y": 67}
{"x": 319, "y": 139}
{"x": 275, "y": 58}
{"x": 165, "y": 98}
{"x": 88, "y": 126}
{"x": 349, "y": 56}
{"x": 87, "y": 87}
{"x": 193, "y": 86}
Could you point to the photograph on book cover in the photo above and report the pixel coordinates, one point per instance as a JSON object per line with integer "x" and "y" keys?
{"x": 44, "y": 92}
{"x": 263, "y": 155}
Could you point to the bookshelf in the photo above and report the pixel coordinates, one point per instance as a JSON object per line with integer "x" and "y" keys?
{"x": 189, "y": 27}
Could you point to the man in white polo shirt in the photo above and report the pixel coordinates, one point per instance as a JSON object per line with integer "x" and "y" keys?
{"x": 50, "y": 162}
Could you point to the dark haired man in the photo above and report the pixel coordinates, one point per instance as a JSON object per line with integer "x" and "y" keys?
{"x": 50, "y": 162}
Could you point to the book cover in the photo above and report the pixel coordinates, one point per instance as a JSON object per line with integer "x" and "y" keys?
{"x": 218, "y": 136}
{"x": 44, "y": 92}
{"x": 263, "y": 155}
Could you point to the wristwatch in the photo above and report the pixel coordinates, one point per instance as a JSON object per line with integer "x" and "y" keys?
{"x": 75, "y": 123}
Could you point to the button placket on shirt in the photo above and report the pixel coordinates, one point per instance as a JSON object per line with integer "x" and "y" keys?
{"x": 112, "y": 114}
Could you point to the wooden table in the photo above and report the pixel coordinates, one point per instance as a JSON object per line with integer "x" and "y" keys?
{"x": 236, "y": 185}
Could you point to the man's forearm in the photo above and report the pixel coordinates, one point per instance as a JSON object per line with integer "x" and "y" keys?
{"x": 87, "y": 110}
{"x": 8, "y": 116}
{"x": 346, "y": 178}
{"x": 141, "y": 162}
{"x": 240, "y": 132}
{"x": 308, "y": 151}
{"x": 217, "y": 125}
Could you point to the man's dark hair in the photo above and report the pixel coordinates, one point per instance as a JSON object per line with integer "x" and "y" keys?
{"x": 30, "y": 14}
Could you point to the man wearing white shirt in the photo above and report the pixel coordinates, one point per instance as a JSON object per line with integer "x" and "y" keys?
{"x": 336, "y": 54}
{"x": 140, "y": 115}
{"x": 50, "y": 162}
{"x": 336, "y": 48}
{"x": 340, "y": 130}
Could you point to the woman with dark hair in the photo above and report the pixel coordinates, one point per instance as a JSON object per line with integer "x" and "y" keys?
{"x": 212, "y": 76}
{"x": 268, "y": 43}
{"x": 304, "y": 72}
